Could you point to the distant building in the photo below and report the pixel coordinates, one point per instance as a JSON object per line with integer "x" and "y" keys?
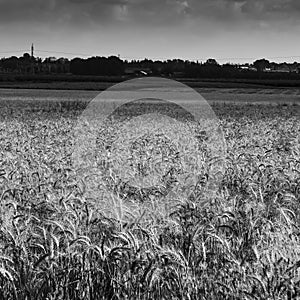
{"x": 138, "y": 71}
{"x": 279, "y": 68}
{"x": 247, "y": 68}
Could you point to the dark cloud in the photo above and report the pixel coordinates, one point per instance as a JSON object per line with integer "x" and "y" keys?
{"x": 73, "y": 11}
{"x": 268, "y": 8}
{"x": 147, "y": 12}
{"x": 109, "y": 2}
{"x": 80, "y": 12}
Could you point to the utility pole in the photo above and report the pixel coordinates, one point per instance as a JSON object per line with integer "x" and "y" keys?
{"x": 32, "y": 58}
{"x": 32, "y": 50}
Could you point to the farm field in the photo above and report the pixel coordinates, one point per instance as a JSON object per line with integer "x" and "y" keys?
{"x": 239, "y": 241}
{"x": 220, "y": 95}
{"x": 79, "y": 82}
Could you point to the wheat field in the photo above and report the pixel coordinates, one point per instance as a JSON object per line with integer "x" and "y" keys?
{"x": 239, "y": 242}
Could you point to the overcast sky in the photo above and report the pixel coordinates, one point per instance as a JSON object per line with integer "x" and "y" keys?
{"x": 157, "y": 29}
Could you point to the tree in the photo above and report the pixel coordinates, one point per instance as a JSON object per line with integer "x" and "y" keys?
{"x": 261, "y": 64}
{"x": 211, "y": 61}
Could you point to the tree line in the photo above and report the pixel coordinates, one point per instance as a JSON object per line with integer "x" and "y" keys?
{"x": 114, "y": 66}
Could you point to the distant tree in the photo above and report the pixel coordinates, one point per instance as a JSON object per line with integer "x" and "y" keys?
{"x": 211, "y": 61}
{"x": 97, "y": 66}
{"x": 77, "y": 66}
{"x": 11, "y": 63}
{"x": 26, "y": 56}
{"x": 261, "y": 64}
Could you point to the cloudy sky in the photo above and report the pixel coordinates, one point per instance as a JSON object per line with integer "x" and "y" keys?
{"x": 157, "y": 29}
